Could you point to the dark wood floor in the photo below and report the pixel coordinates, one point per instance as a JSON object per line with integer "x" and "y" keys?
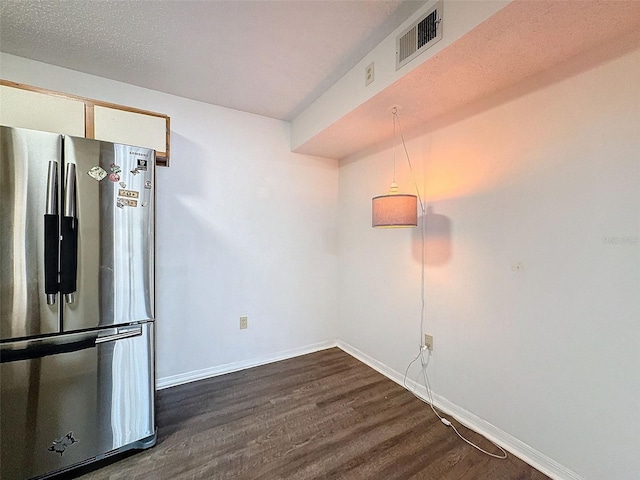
{"x": 321, "y": 416}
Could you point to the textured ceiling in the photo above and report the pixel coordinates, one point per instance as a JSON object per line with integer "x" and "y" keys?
{"x": 523, "y": 39}
{"x": 271, "y": 58}
{"x": 275, "y": 58}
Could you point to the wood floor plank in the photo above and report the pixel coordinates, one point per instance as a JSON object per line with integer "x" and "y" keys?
{"x": 319, "y": 416}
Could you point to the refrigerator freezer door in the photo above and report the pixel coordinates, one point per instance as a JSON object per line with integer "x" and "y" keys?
{"x": 62, "y": 410}
{"x": 29, "y": 169}
{"x": 114, "y": 217}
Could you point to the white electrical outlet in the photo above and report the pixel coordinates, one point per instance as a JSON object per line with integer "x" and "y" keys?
{"x": 369, "y": 74}
{"x": 244, "y": 323}
{"x": 428, "y": 341}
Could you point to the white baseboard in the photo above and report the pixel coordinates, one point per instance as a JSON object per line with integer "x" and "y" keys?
{"x": 541, "y": 462}
{"x": 173, "y": 380}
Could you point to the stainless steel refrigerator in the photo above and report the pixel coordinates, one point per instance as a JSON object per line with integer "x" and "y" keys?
{"x": 76, "y": 301}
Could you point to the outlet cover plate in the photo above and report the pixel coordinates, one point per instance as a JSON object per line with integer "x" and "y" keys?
{"x": 369, "y": 74}
{"x": 428, "y": 341}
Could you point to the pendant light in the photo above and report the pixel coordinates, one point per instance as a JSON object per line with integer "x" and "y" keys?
{"x": 394, "y": 210}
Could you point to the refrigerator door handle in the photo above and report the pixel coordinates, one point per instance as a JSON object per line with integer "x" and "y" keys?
{"x": 42, "y": 347}
{"x": 126, "y": 332}
{"x": 51, "y": 235}
{"x": 69, "y": 233}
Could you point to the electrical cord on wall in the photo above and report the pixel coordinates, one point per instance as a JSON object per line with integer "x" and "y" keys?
{"x": 424, "y": 364}
{"x": 445, "y": 421}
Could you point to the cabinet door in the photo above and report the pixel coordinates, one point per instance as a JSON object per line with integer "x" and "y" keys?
{"x": 130, "y": 128}
{"x": 37, "y": 111}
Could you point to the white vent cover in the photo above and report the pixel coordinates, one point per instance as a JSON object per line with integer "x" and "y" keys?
{"x": 421, "y": 35}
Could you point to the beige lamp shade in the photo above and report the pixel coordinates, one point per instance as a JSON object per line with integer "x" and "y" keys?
{"x": 395, "y": 210}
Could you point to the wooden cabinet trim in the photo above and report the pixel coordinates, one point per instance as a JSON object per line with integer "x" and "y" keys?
{"x": 162, "y": 158}
{"x": 89, "y": 123}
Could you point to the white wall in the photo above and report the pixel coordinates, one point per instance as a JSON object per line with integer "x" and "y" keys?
{"x": 244, "y": 228}
{"x": 533, "y": 264}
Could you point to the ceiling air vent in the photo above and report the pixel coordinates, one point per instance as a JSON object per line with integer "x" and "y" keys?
{"x": 426, "y": 31}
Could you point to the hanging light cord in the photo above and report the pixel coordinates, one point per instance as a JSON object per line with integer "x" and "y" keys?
{"x": 396, "y": 118}
{"x": 425, "y": 363}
